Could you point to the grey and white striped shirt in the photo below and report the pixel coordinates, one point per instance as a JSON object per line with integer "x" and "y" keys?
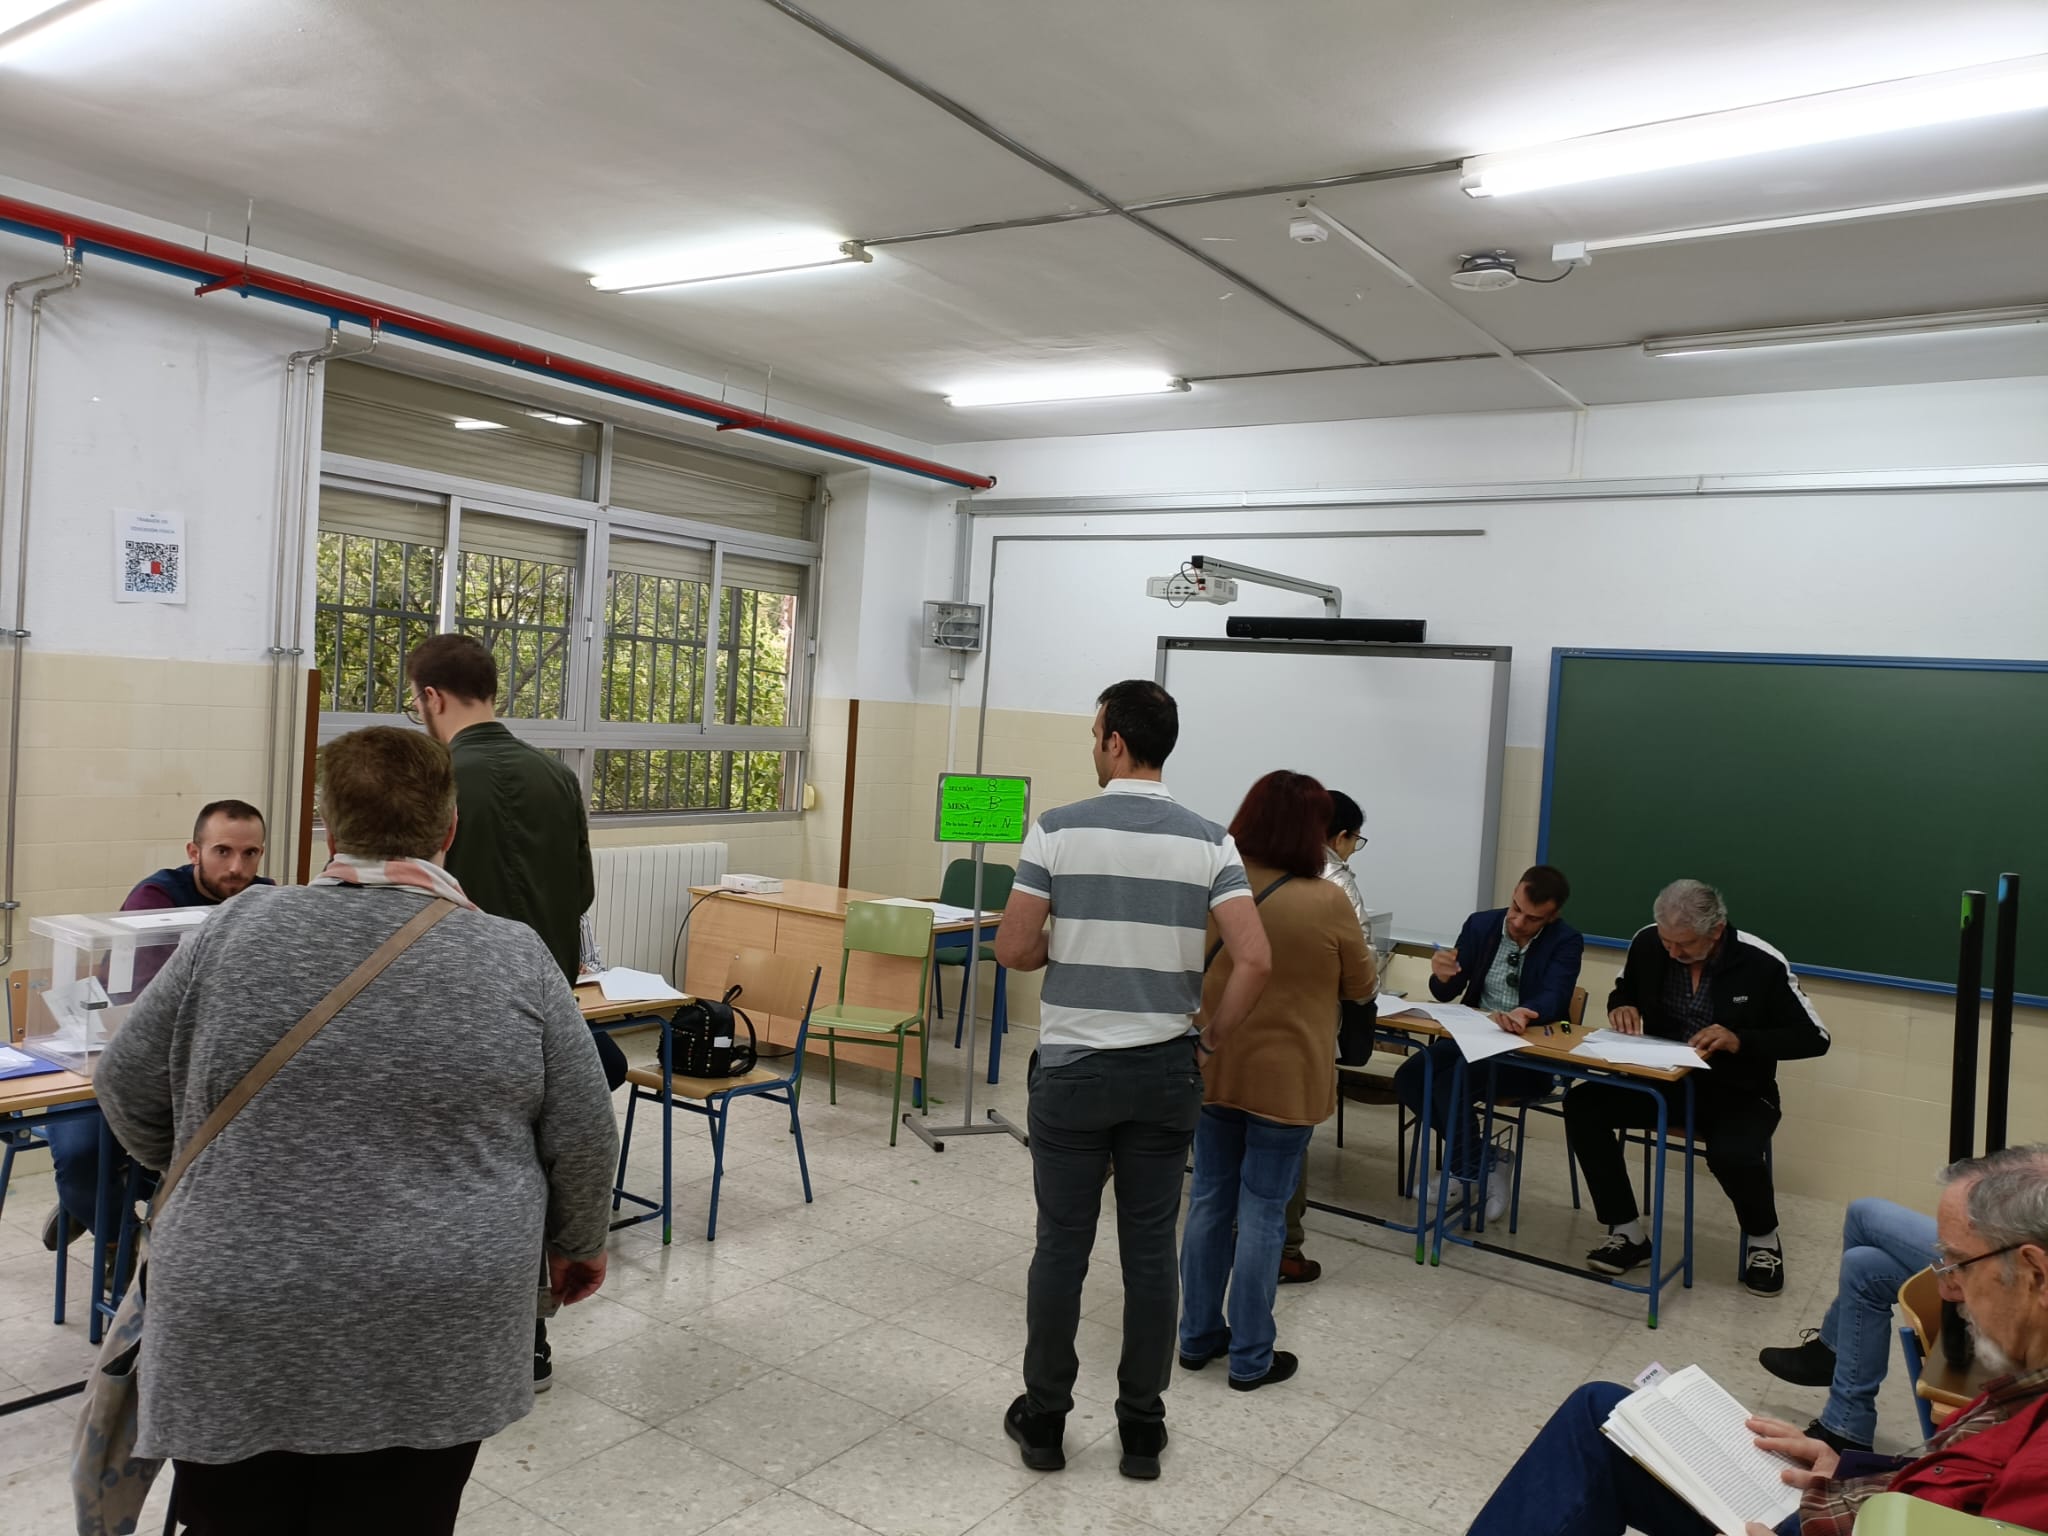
{"x": 1131, "y": 876}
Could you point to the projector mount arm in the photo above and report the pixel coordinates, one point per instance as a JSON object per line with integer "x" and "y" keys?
{"x": 1333, "y": 597}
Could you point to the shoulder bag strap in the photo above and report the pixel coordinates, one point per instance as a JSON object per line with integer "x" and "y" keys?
{"x": 1217, "y": 948}
{"x": 290, "y": 1045}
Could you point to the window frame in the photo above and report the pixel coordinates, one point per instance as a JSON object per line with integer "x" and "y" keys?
{"x": 583, "y": 732}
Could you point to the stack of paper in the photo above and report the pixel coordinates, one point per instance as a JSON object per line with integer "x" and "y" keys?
{"x": 1690, "y": 1435}
{"x": 940, "y": 911}
{"x": 621, "y": 985}
{"x": 1477, "y": 1035}
{"x": 1638, "y": 1050}
{"x": 15, "y": 1063}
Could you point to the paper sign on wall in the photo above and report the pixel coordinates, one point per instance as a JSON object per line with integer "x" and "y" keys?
{"x": 149, "y": 557}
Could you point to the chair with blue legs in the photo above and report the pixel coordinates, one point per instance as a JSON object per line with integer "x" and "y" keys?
{"x": 764, "y": 986}
{"x": 950, "y": 949}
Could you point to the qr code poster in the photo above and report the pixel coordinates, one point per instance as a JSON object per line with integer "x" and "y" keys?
{"x": 149, "y": 557}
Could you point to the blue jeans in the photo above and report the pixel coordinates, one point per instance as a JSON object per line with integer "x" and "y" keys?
{"x": 1882, "y": 1245}
{"x": 1574, "y": 1481}
{"x": 1509, "y": 1083}
{"x": 1245, "y": 1172}
{"x": 74, "y": 1139}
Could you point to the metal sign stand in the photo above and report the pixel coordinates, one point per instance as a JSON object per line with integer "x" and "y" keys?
{"x": 934, "y": 1136}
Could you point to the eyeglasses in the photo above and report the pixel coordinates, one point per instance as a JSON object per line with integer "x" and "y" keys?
{"x": 1515, "y": 966}
{"x": 1943, "y": 1267}
{"x": 411, "y": 709}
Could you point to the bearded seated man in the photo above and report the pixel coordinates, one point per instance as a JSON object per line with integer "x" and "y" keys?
{"x": 225, "y": 852}
{"x": 1990, "y": 1460}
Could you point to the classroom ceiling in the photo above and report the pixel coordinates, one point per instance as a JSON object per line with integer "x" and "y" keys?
{"x": 493, "y": 153}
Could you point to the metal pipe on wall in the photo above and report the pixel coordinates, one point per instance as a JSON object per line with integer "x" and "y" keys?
{"x": 55, "y": 282}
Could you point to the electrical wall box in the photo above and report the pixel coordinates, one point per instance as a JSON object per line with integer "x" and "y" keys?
{"x": 86, "y": 971}
{"x": 752, "y": 885}
{"x": 953, "y": 626}
{"x": 1183, "y": 588}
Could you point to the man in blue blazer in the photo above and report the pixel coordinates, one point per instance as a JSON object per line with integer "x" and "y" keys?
{"x": 1519, "y": 964}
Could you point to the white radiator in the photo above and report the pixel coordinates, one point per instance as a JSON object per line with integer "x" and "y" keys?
{"x": 642, "y": 894}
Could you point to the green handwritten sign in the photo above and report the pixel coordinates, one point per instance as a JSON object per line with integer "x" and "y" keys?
{"x": 983, "y": 808}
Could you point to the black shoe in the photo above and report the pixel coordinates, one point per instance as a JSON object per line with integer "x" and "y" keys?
{"x": 1039, "y": 1436}
{"x": 1763, "y": 1272}
{"x": 1618, "y": 1255}
{"x": 54, "y": 1223}
{"x": 1819, "y": 1431}
{"x": 1142, "y": 1445}
{"x": 1190, "y": 1362}
{"x": 543, "y": 1357}
{"x": 1809, "y": 1363}
{"x": 1284, "y": 1365}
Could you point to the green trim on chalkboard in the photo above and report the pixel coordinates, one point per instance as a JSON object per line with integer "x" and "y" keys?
{"x": 1840, "y": 801}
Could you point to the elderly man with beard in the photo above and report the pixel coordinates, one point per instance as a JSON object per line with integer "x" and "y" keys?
{"x": 1990, "y": 1459}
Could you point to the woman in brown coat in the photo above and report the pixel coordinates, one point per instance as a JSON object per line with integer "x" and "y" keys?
{"x": 1269, "y": 1084}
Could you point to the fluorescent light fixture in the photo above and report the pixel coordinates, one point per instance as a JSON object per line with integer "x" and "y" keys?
{"x": 18, "y": 18}
{"x": 1037, "y": 389}
{"x": 1581, "y": 252}
{"x": 785, "y": 253}
{"x": 477, "y": 424}
{"x": 1957, "y": 95}
{"x": 1847, "y": 330}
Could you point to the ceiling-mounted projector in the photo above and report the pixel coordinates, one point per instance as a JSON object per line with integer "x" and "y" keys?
{"x": 1488, "y": 272}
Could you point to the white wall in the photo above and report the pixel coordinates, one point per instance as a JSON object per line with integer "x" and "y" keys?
{"x": 145, "y": 405}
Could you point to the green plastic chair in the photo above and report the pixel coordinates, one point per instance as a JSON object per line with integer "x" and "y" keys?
{"x": 876, "y": 928}
{"x": 958, "y": 891}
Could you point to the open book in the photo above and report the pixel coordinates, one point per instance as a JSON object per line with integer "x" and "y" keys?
{"x": 1689, "y": 1434}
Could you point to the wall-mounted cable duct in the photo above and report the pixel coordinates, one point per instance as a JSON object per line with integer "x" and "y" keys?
{"x": 217, "y": 273}
{"x": 54, "y": 282}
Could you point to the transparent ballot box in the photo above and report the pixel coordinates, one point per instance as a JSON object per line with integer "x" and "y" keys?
{"x": 87, "y": 970}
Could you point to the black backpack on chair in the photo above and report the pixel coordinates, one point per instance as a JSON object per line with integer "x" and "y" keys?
{"x": 707, "y": 1042}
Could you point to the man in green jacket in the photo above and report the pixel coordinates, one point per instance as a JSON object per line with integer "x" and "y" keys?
{"x": 522, "y": 836}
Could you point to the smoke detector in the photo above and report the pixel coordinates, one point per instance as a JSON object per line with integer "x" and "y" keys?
{"x": 1486, "y": 273}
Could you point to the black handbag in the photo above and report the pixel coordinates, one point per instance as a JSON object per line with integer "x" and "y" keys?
{"x": 1355, "y": 1031}
{"x": 707, "y": 1042}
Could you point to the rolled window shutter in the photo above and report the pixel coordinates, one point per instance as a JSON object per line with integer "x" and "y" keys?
{"x": 651, "y": 474}
{"x": 517, "y": 538}
{"x": 372, "y": 413}
{"x": 404, "y": 519}
{"x": 672, "y": 562}
{"x": 757, "y": 575}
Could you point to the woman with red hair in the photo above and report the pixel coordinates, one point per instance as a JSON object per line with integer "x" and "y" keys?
{"x": 1270, "y": 1083}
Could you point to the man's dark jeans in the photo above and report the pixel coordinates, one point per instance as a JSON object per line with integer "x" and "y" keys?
{"x": 1135, "y": 1109}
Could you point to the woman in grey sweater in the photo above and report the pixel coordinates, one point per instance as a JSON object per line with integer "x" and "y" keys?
{"x": 341, "y": 1291}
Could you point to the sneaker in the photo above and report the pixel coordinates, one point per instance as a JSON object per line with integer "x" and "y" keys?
{"x": 1142, "y": 1444}
{"x": 1299, "y": 1270}
{"x": 1284, "y": 1365}
{"x": 1040, "y": 1436}
{"x": 1840, "y": 1443}
{"x": 1618, "y": 1255}
{"x": 1809, "y": 1363}
{"x": 1763, "y": 1272}
{"x": 543, "y": 1357}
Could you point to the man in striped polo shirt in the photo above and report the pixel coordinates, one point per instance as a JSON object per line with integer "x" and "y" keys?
{"x": 1129, "y": 880}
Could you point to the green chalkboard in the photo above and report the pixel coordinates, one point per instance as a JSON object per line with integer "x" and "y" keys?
{"x": 983, "y": 808}
{"x": 1843, "y": 804}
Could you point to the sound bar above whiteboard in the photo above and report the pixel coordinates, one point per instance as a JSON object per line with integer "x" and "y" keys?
{"x": 1413, "y": 733}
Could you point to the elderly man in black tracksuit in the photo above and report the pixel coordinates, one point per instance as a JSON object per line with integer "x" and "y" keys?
{"x": 1690, "y": 976}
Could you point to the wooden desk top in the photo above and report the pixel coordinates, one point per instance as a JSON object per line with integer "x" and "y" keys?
{"x": 1539, "y": 1047}
{"x": 597, "y": 1009}
{"x": 46, "y": 1090}
{"x": 814, "y": 900}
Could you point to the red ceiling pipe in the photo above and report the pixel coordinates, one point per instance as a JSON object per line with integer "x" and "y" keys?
{"x": 219, "y": 272}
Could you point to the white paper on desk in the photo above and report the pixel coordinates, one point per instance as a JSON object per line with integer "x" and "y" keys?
{"x": 1610, "y": 1045}
{"x": 621, "y": 985}
{"x": 940, "y": 911}
{"x": 1478, "y": 1037}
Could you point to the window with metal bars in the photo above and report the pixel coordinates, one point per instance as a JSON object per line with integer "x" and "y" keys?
{"x": 378, "y": 598}
{"x": 521, "y": 610}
